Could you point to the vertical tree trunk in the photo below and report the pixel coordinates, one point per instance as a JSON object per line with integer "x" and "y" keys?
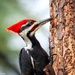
{"x": 62, "y": 38}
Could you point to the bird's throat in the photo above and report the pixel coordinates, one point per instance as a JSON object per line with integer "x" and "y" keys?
{"x": 28, "y": 43}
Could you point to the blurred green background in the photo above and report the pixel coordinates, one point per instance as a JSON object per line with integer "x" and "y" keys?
{"x": 12, "y": 11}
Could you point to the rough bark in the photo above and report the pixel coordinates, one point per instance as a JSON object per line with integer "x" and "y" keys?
{"x": 62, "y": 36}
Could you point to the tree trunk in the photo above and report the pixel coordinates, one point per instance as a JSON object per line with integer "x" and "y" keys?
{"x": 62, "y": 36}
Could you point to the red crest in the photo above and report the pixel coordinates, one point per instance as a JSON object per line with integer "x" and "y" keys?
{"x": 16, "y": 27}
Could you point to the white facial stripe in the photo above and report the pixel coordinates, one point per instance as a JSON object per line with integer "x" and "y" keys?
{"x": 24, "y": 35}
{"x": 33, "y": 32}
{"x": 27, "y": 40}
{"x": 23, "y": 25}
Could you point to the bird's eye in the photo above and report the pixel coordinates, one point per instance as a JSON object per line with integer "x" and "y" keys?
{"x": 29, "y": 23}
{"x": 25, "y": 26}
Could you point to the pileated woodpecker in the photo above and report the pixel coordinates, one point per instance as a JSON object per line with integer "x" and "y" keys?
{"x": 32, "y": 58}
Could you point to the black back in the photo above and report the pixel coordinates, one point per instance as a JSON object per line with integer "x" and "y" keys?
{"x": 39, "y": 55}
{"x": 40, "y": 59}
{"x": 25, "y": 63}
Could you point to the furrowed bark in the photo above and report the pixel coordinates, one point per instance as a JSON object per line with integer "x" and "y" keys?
{"x": 62, "y": 36}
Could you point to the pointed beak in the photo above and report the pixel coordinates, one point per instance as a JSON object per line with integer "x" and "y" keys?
{"x": 38, "y": 25}
{"x": 44, "y": 21}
